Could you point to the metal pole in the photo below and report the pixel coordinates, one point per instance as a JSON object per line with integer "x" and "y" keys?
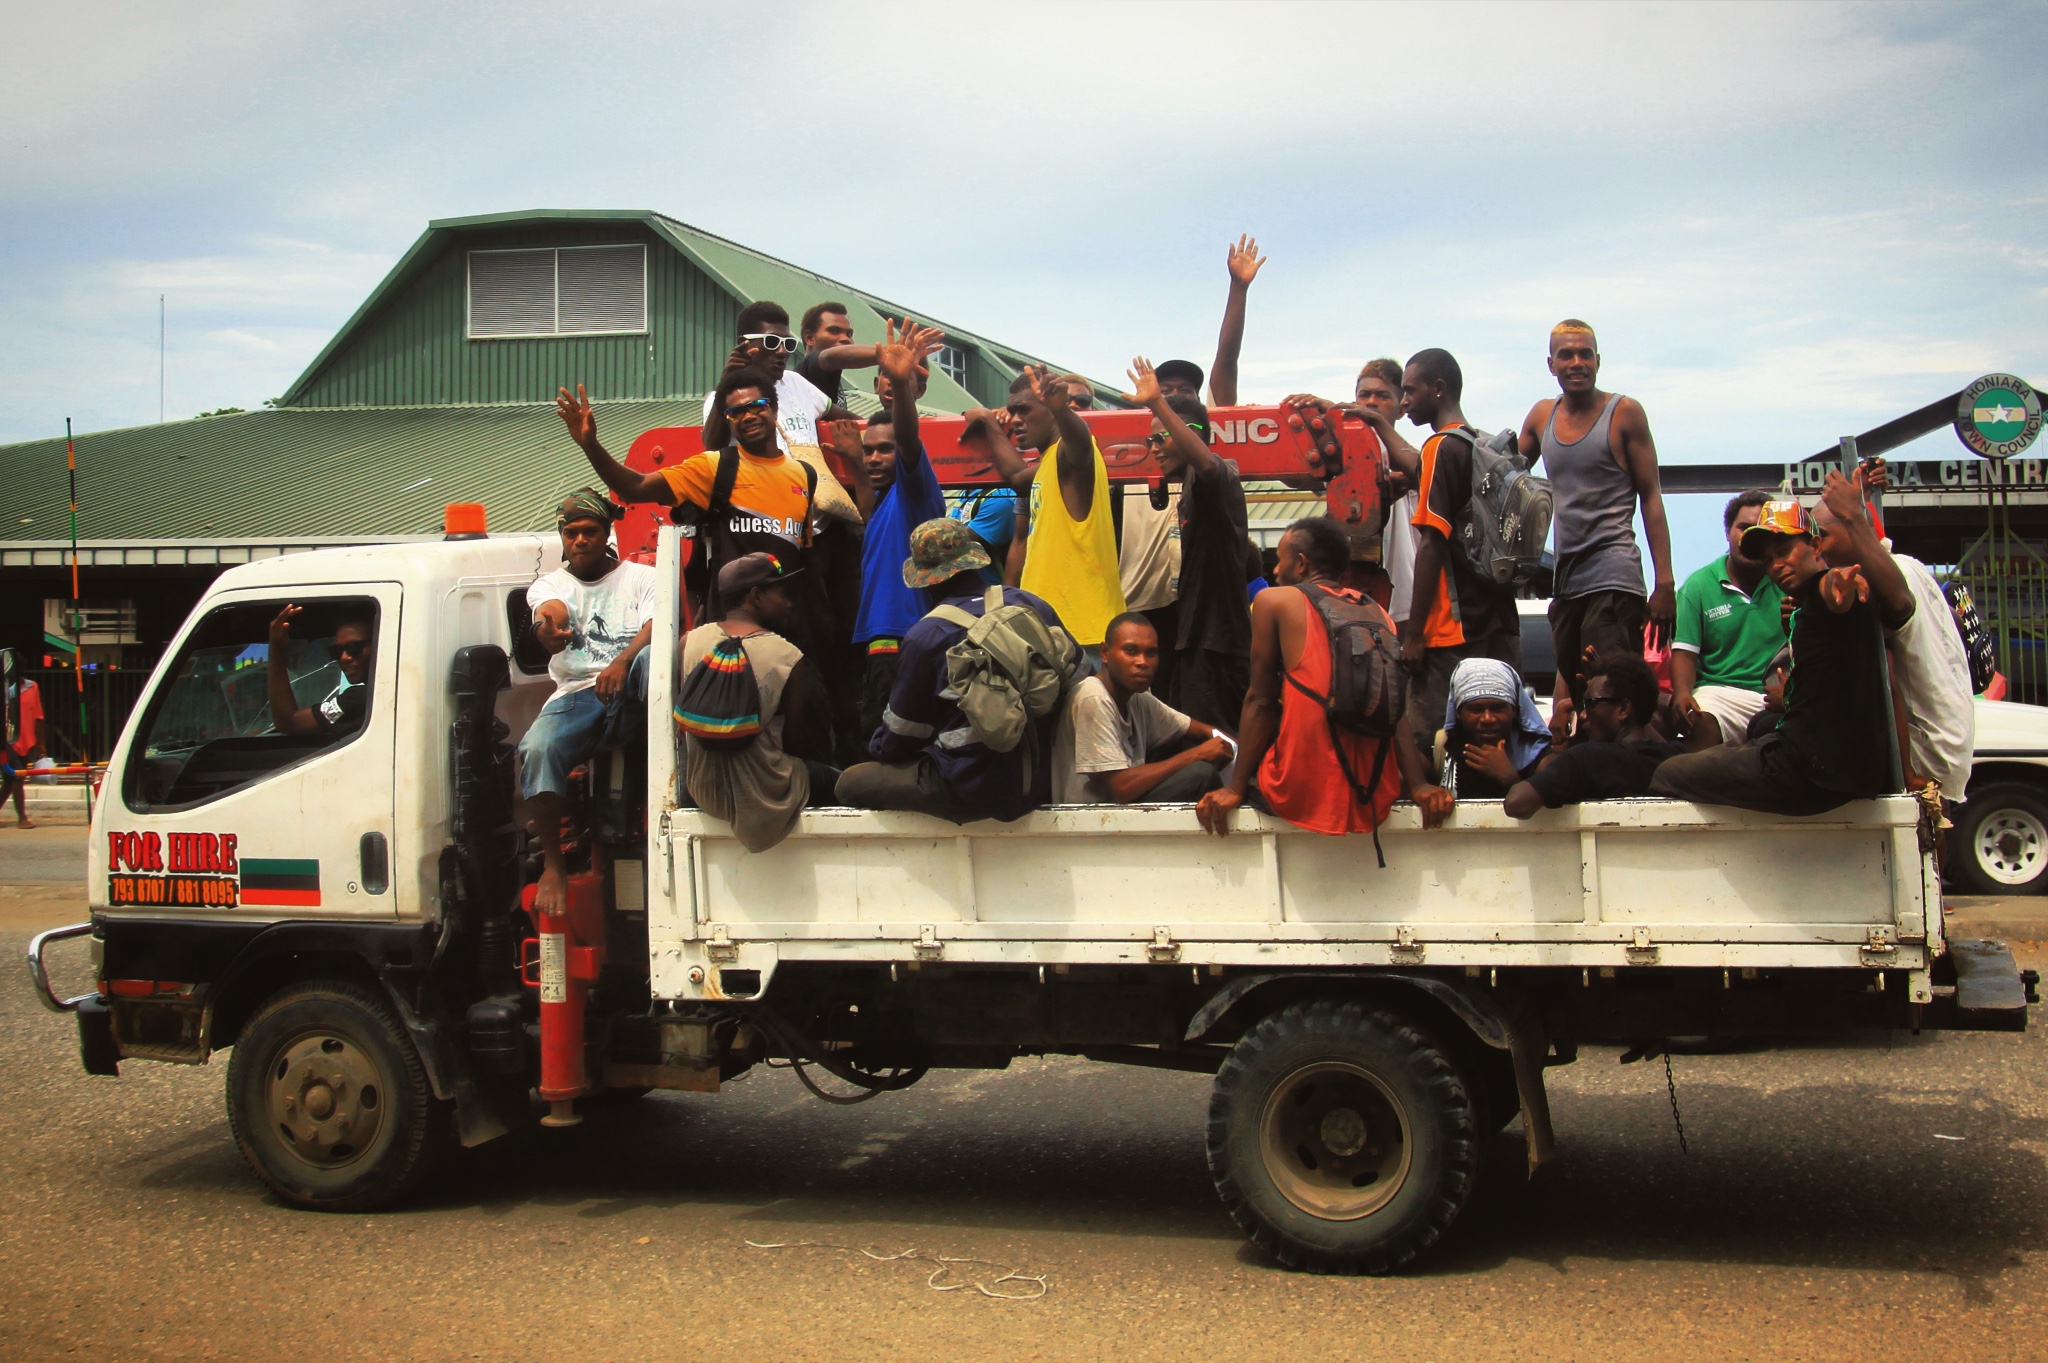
{"x": 162, "y": 332}
{"x": 77, "y": 612}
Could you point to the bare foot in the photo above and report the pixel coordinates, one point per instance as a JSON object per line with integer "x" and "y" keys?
{"x": 26, "y": 822}
{"x": 549, "y": 893}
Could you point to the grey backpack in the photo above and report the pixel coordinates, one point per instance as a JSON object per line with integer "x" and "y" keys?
{"x": 1011, "y": 669}
{"x": 1505, "y": 526}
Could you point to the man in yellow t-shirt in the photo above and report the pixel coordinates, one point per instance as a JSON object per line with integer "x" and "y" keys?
{"x": 1070, "y": 560}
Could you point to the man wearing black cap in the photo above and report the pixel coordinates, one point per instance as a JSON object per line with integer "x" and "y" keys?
{"x": 595, "y": 615}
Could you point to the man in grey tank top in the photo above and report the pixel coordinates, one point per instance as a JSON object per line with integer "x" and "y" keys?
{"x": 1601, "y": 462}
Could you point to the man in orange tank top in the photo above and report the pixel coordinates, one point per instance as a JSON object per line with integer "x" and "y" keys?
{"x": 1285, "y": 740}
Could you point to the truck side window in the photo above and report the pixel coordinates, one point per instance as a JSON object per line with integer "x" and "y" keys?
{"x": 235, "y": 708}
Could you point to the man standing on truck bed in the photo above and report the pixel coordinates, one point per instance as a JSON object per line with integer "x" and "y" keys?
{"x": 1070, "y": 559}
{"x": 1288, "y": 761}
{"x": 1831, "y": 747}
{"x": 594, "y": 615}
{"x": 1601, "y": 462}
{"x": 1455, "y": 612}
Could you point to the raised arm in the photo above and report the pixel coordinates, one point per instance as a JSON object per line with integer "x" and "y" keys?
{"x": 845, "y": 436}
{"x": 1244, "y": 263}
{"x": 846, "y": 357}
{"x": 1889, "y": 589}
{"x": 1077, "y": 444}
{"x": 630, "y": 486}
{"x": 1639, "y": 456}
{"x": 899, "y": 357}
{"x": 287, "y": 716}
{"x": 1145, "y": 393}
{"x": 992, "y": 431}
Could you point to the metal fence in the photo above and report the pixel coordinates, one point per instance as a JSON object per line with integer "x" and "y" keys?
{"x": 109, "y": 695}
{"x": 2008, "y": 578}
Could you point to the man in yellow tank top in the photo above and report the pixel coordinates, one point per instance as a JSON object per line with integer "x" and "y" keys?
{"x": 1070, "y": 561}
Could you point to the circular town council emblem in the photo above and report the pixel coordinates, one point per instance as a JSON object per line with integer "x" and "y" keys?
{"x": 1998, "y": 416}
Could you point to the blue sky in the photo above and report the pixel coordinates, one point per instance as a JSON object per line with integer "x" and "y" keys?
{"x": 1788, "y": 222}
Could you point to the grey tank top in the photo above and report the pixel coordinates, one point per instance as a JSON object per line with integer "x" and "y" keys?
{"x": 1594, "y": 510}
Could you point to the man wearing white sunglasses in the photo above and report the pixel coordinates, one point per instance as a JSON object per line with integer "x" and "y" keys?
{"x": 766, "y": 344}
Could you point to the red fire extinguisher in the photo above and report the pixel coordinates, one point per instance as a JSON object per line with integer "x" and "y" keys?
{"x": 563, "y": 963}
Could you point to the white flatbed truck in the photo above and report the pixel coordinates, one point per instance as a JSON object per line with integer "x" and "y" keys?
{"x": 346, "y": 914}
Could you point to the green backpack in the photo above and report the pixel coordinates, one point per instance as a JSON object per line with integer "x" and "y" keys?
{"x": 1011, "y": 669}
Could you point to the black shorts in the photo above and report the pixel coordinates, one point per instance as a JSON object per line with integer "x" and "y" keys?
{"x": 1606, "y": 622}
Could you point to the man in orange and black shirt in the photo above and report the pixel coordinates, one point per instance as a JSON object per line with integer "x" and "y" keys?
{"x": 1456, "y": 612}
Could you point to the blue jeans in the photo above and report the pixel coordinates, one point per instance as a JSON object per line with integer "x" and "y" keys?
{"x": 569, "y": 729}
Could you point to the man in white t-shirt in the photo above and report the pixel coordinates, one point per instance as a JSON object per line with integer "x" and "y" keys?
{"x": 765, "y": 344}
{"x": 595, "y": 614}
{"x": 1117, "y": 743}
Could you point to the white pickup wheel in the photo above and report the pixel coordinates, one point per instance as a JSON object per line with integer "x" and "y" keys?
{"x": 328, "y": 1099}
{"x": 2000, "y": 842}
{"x": 1341, "y": 1137}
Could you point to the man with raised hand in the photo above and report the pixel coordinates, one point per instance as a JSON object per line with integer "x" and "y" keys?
{"x": 1832, "y": 745}
{"x": 1602, "y": 464}
{"x": 1213, "y": 643}
{"x": 829, "y": 349}
{"x": 1070, "y": 558}
{"x": 906, "y": 495}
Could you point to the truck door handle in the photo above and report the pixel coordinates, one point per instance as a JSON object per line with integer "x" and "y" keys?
{"x": 376, "y": 864}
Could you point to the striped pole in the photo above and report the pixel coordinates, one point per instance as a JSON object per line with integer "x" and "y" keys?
{"x": 77, "y": 612}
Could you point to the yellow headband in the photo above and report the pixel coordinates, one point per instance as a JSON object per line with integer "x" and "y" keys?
{"x": 1571, "y": 329}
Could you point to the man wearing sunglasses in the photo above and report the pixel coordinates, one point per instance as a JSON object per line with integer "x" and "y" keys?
{"x": 1616, "y": 756}
{"x": 340, "y": 712}
{"x": 1212, "y": 650}
{"x": 766, "y": 347}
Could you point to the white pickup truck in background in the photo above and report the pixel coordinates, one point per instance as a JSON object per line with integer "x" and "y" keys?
{"x": 344, "y": 909}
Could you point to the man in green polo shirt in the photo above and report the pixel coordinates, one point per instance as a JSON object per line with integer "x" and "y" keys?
{"x": 1730, "y": 626}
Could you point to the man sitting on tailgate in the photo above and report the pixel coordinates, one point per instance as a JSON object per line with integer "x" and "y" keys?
{"x": 340, "y": 712}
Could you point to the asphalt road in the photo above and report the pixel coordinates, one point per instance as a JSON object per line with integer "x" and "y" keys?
{"x": 1883, "y": 1201}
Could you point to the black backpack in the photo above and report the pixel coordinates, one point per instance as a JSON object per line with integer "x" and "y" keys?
{"x": 707, "y": 526}
{"x": 719, "y": 703}
{"x": 1368, "y": 690}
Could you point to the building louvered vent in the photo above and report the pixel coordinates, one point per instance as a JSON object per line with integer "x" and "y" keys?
{"x": 565, "y": 291}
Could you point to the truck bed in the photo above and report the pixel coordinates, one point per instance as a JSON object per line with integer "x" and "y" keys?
{"x": 1616, "y": 885}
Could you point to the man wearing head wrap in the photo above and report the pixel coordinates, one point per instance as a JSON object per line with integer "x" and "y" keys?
{"x": 1494, "y": 736}
{"x": 594, "y": 614}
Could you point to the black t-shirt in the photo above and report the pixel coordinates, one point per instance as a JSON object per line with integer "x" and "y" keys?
{"x": 1468, "y": 783}
{"x": 1214, "y": 612}
{"x": 1836, "y": 710}
{"x": 341, "y": 711}
{"x": 1484, "y": 607}
{"x": 1601, "y": 771}
{"x": 824, "y": 380}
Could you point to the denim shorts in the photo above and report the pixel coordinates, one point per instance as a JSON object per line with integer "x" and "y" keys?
{"x": 571, "y": 728}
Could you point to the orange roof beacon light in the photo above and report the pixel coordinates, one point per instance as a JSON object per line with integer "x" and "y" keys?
{"x": 463, "y": 521}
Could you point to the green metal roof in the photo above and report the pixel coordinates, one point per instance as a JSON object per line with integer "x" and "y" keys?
{"x": 309, "y": 472}
{"x": 748, "y": 275}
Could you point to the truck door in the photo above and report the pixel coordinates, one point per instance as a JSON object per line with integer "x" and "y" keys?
{"x": 256, "y": 779}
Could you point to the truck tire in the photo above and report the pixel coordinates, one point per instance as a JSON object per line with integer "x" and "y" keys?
{"x": 1342, "y": 1138}
{"x": 329, "y": 1101}
{"x": 2000, "y": 842}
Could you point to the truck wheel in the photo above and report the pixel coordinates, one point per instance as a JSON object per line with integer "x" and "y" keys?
{"x": 329, "y": 1102}
{"x": 2000, "y": 844}
{"x": 1341, "y": 1137}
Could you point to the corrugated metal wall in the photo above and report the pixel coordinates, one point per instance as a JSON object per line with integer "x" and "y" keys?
{"x": 416, "y": 350}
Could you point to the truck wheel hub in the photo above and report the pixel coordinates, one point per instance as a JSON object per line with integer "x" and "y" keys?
{"x": 2010, "y": 846}
{"x": 324, "y": 1099}
{"x": 1335, "y": 1141}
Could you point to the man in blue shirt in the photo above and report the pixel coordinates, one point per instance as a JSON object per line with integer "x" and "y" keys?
{"x": 926, "y": 756}
{"x": 906, "y": 495}
{"x": 990, "y": 515}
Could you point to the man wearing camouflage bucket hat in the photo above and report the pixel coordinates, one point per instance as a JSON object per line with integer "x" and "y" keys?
{"x": 594, "y": 615}
{"x": 929, "y": 757}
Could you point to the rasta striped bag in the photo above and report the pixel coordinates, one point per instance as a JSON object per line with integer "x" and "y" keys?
{"x": 719, "y": 704}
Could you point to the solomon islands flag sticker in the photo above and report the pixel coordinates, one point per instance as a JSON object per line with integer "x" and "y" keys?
{"x": 286, "y": 881}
